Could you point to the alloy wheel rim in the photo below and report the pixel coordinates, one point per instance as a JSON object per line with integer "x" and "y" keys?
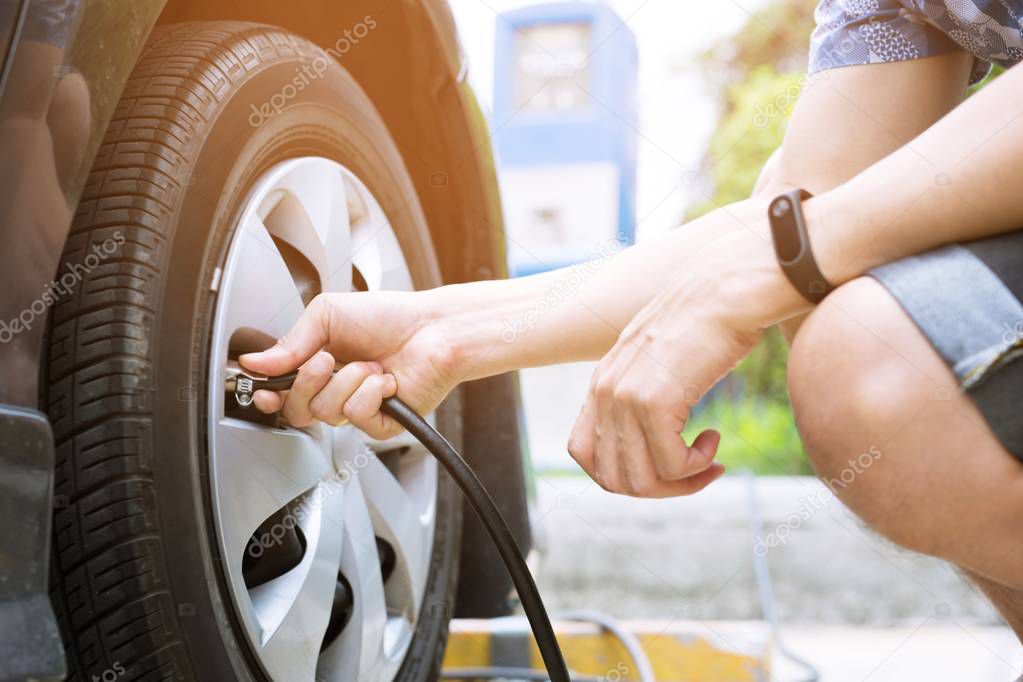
{"x": 337, "y": 513}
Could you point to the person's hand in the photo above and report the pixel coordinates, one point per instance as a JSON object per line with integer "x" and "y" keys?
{"x": 628, "y": 435}
{"x": 388, "y": 345}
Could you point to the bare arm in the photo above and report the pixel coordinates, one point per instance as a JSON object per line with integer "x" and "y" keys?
{"x": 577, "y": 313}
{"x": 714, "y": 284}
{"x": 850, "y": 118}
{"x": 955, "y": 182}
{"x": 846, "y": 120}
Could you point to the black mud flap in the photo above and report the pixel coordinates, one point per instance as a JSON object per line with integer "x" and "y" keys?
{"x": 492, "y": 445}
{"x": 30, "y": 646}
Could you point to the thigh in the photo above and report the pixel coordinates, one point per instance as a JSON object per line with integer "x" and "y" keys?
{"x": 1007, "y": 600}
{"x": 864, "y": 378}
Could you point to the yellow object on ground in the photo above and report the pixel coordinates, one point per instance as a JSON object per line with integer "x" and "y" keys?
{"x": 680, "y": 651}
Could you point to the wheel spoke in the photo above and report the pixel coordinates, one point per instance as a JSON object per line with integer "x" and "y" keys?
{"x": 258, "y": 290}
{"x": 405, "y": 527}
{"x": 359, "y": 652}
{"x": 307, "y": 224}
{"x": 377, "y": 253}
{"x": 295, "y": 608}
{"x": 257, "y": 472}
{"x": 403, "y": 441}
{"x": 309, "y": 211}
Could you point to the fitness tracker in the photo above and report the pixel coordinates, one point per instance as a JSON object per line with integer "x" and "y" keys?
{"x": 792, "y": 245}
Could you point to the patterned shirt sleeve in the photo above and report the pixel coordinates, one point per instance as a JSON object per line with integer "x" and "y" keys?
{"x": 854, "y": 32}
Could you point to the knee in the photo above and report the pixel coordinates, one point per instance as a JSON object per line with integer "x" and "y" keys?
{"x": 843, "y": 371}
{"x": 887, "y": 429}
{"x": 851, "y": 391}
{"x": 70, "y": 121}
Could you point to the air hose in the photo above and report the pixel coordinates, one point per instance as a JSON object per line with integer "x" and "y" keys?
{"x": 765, "y": 588}
{"x": 243, "y": 387}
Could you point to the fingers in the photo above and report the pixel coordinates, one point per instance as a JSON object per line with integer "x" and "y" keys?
{"x": 629, "y": 441}
{"x": 672, "y": 459}
{"x": 582, "y": 441}
{"x": 639, "y": 478}
{"x": 312, "y": 377}
{"x": 269, "y": 402}
{"x": 706, "y": 444}
{"x": 635, "y": 474}
{"x": 634, "y": 465}
{"x": 353, "y": 394}
{"x": 363, "y": 408}
{"x": 608, "y": 461}
{"x": 687, "y": 486}
{"x": 328, "y": 405}
{"x": 310, "y": 334}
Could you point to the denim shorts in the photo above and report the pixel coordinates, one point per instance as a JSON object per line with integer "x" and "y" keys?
{"x": 966, "y": 299}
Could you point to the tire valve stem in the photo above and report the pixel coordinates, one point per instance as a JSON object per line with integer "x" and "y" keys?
{"x": 240, "y": 385}
{"x": 243, "y": 390}
{"x": 243, "y": 386}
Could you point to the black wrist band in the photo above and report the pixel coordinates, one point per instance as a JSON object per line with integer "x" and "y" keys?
{"x": 792, "y": 245}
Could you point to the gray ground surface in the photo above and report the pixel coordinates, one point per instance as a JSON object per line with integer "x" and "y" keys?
{"x": 692, "y": 556}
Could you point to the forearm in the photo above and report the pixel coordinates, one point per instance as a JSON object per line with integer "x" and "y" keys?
{"x": 574, "y": 313}
{"x": 949, "y": 184}
{"x": 956, "y": 182}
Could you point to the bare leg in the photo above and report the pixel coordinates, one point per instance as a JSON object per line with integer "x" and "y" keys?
{"x": 862, "y": 379}
{"x": 1008, "y": 601}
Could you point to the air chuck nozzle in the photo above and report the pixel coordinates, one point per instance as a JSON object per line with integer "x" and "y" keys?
{"x": 240, "y": 385}
{"x": 243, "y": 386}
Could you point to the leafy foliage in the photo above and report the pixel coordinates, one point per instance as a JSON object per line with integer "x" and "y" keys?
{"x": 777, "y": 36}
{"x": 758, "y": 435}
{"x": 995, "y": 72}
{"x": 751, "y": 128}
{"x": 760, "y": 74}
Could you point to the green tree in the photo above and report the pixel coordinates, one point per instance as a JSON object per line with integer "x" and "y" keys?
{"x": 760, "y": 74}
{"x": 752, "y": 127}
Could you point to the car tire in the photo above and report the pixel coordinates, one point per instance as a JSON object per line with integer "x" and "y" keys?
{"x": 139, "y": 583}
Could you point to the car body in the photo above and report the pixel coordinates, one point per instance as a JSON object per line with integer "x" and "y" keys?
{"x": 413, "y": 71}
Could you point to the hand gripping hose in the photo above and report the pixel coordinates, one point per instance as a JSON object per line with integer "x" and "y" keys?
{"x": 243, "y": 386}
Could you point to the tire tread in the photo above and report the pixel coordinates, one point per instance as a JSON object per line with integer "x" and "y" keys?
{"x": 110, "y": 584}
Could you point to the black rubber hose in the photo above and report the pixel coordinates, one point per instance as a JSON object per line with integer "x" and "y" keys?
{"x": 481, "y": 503}
{"x": 490, "y": 515}
{"x": 281, "y": 383}
{"x": 507, "y": 673}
